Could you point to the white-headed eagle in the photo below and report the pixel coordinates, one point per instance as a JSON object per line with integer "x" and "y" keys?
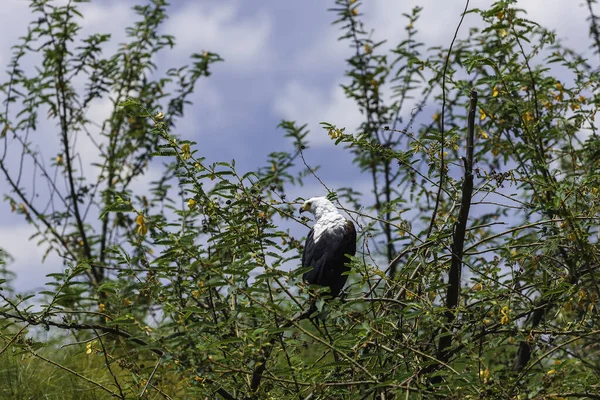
{"x": 328, "y": 243}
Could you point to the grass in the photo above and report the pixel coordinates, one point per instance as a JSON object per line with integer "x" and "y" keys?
{"x": 24, "y": 376}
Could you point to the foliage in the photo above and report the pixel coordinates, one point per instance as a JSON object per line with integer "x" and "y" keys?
{"x": 479, "y": 248}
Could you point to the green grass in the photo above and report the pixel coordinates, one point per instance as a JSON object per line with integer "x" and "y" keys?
{"x": 24, "y": 376}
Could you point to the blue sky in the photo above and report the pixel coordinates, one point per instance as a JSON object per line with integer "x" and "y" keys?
{"x": 282, "y": 61}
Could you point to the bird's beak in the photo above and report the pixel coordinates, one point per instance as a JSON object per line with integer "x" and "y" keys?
{"x": 303, "y": 208}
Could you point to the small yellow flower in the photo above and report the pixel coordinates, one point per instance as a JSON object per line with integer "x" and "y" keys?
{"x": 205, "y": 54}
{"x": 500, "y": 15}
{"x": 495, "y": 92}
{"x": 483, "y": 134}
{"x": 142, "y": 227}
{"x": 528, "y": 117}
{"x": 159, "y": 116}
{"x": 335, "y": 133}
{"x": 484, "y": 375}
{"x": 186, "y": 153}
{"x": 503, "y": 32}
{"x": 88, "y": 348}
{"x": 575, "y": 106}
{"x": 505, "y": 318}
{"x": 436, "y": 117}
{"x": 355, "y": 12}
{"x": 101, "y": 307}
{"x": 127, "y": 302}
{"x": 559, "y": 86}
{"x": 552, "y": 371}
{"x": 191, "y": 203}
{"x": 195, "y": 294}
{"x": 477, "y": 287}
{"x": 482, "y": 114}
{"x": 59, "y": 159}
{"x": 368, "y": 49}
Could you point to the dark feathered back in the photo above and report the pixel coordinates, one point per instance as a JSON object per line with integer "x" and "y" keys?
{"x": 328, "y": 257}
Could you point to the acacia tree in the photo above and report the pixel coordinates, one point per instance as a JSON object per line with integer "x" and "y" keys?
{"x": 477, "y": 271}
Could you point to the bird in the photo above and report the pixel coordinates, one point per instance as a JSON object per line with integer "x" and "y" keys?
{"x": 329, "y": 245}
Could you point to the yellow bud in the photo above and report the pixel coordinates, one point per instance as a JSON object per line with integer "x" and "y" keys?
{"x": 186, "y": 151}
{"x": 505, "y": 318}
{"x": 159, "y": 116}
{"x": 191, "y": 203}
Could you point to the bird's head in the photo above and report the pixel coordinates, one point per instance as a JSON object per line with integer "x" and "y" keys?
{"x": 317, "y": 206}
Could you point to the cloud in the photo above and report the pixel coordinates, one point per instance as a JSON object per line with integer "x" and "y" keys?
{"x": 241, "y": 40}
{"x": 27, "y": 255}
{"x": 306, "y": 103}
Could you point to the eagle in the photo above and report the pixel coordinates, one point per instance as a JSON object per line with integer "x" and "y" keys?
{"x": 329, "y": 245}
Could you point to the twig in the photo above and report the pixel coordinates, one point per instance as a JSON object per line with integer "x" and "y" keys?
{"x": 107, "y": 361}
{"x": 441, "y": 184}
{"x": 150, "y": 377}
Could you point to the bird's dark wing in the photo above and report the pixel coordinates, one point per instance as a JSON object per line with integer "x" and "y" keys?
{"x": 328, "y": 257}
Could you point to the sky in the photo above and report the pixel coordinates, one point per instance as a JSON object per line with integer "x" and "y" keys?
{"x": 282, "y": 61}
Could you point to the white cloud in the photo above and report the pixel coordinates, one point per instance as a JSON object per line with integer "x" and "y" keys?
{"x": 241, "y": 40}
{"x": 309, "y": 104}
{"x": 31, "y": 272}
